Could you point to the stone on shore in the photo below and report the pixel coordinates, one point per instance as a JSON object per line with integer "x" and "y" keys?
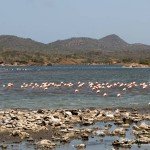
{"x": 45, "y": 144}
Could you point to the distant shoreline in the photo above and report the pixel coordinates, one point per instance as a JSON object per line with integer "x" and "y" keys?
{"x": 109, "y": 50}
{"x": 125, "y": 65}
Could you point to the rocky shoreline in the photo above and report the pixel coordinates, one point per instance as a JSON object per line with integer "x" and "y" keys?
{"x": 135, "y": 65}
{"x": 48, "y": 129}
{"x": 124, "y": 65}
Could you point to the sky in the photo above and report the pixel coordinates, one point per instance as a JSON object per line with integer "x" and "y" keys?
{"x": 50, "y": 20}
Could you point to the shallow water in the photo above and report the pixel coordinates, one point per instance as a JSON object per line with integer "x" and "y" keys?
{"x": 66, "y": 97}
{"x": 102, "y": 143}
{"x": 21, "y": 146}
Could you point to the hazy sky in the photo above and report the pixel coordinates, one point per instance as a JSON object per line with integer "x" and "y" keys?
{"x": 50, "y": 20}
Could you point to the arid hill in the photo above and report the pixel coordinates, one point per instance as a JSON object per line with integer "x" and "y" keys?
{"x": 107, "y": 50}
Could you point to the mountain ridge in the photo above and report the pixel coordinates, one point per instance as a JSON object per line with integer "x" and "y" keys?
{"x": 109, "y": 49}
{"x": 112, "y": 38}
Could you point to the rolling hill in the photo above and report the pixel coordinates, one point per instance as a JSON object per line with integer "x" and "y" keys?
{"x": 82, "y": 50}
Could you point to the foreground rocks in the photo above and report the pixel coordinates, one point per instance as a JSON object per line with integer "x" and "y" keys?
{"x": 49, "y": 128}
{"x": 45, "y": 144}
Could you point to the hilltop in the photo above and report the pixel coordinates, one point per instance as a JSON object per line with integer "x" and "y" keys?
{"x": 80, "y": 50}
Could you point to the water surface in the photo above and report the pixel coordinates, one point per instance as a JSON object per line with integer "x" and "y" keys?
{"x": 66, "y": 97}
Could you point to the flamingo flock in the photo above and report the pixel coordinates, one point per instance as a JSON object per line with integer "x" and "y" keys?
{"x": 102, "y": 89}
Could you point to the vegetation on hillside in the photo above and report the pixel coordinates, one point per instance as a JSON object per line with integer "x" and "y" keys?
{"x": 108, "y": 50}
